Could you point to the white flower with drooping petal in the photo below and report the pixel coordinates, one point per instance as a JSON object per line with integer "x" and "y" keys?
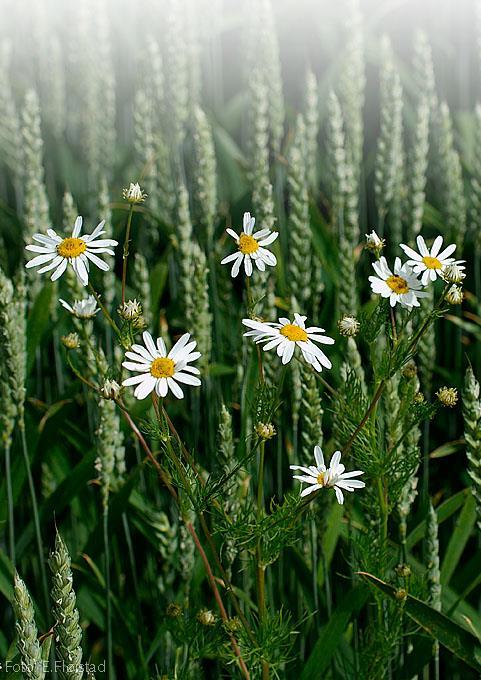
{"x": 403, "y": 286}
{"x": 251, "y": 248}
{"x": 78, "y": 251}
{"x": 319, "y": 476}
{"x": 431, "y": 263}
{"x": 285, "y": 335}
{"x": 82, "y": 309}
{"x": 160, "y": 371}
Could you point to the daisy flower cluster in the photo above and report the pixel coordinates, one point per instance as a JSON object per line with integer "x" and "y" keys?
{"x": 405, "y": 283}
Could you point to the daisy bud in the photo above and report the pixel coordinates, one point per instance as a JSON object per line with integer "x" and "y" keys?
{"x": 418, "y": 398}
{"x": 110, "y": 389}
{"x": 134, "y": 193}
{"x": 453, "y": 273}
{"x": 455, "y": 295}
{"x": 233, "y": 625}
{"x": 70, "y": 341}
{"x": 130, "y": 310}
{"x": 401, "y": 594}
{"x": 348, "y": 326}
{"x": 374, "y": 242}
{"x": 448, "y": 396}
{"x": 265, "y": 430}
{"x": 409, "y": 371}
{"x": 403, "y": 570}
{"x": 206, "y": 617}
{"x": 174, "y": 610}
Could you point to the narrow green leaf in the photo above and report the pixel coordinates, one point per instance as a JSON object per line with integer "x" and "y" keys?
{"x": 39, "y": 322}
{"x": 454, "y": 637}
{"x": 332, "y": 632}
{"x": 459, "y": 538}
{"x": 444, "y": 511}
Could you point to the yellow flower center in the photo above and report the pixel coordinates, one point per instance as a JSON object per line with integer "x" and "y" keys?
{"x": 162, "y": 368}
{"x": 432, "y": 262}
{"x": 398, "y": 284}
{"x": 247, "y": 244}
{"x": 320, "y": 478}
{"x": 71, "y": 247}
{"x": 293, "y": 332}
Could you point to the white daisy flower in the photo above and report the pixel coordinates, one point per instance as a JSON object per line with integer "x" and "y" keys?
{"x": 318, "y": 476}
{"x": 159, "y": 370}
{"x": 82, "y": 309}
{"x": 403, "y": 286}
{"x": 251, "y": 246}
{"x": 76, "y": 250}
{"x": 432, "y": 262}
{"x": 285, "y": 335}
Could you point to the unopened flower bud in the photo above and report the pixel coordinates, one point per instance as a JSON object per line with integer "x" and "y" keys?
{"x": 374, "y": 242}
{"x": 348, "y": 326}
{"x": 134, "y": 193}
{"x": 454, "y": 273}
{"x": 70, "y": 341}
{"x": 130, "y": 310}
{"x": 206, "y": 617}
{"x": 265, "y": 430}
{"x": 448, "y": 396}
{"x": 174, "y": 610}
{"x": 403, "y": 570}
{"x": 401, "y": 594}
{"x": 455, "y": 295}
{"x": 409, "y": 371}
{"x": 110, "y": 389}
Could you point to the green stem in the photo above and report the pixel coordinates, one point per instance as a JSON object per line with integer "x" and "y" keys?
{"x": 11, "y": 523}
{"x": 104, "y": 309}
{"x": 260, "y": 569}
{"x": 107, "y": 592}
{"x": 125, "y": 254}
{"x": 36, "y": 519}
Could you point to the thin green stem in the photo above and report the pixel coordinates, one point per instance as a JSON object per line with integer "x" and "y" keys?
{"x": 11, "y": 522}
{"x": 104, "y": 309}
{"x": 260, "y": 569}
{"x": 36, "y": 519}
{"x": 125, "y": 255}
{"x": 110, "y": 658}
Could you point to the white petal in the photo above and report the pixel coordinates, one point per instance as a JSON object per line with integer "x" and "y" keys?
{"x": 162, "y": 387}
{"x": 318, "y": 455}
{"x": 310, "y": 489}
{"x": 60, "y": 270}
{"x": 236, "y": 266}
{"x": 145, "y": 387}
{"x": 149, "y": 343}
{"x": 96, "y": 260}
{"x": 436, "y": 247}
{"x": 77, "y": 227}
{"x": 339, "y": 495}
{"x": 174, "y": 388}
{"x": 40, "y": 259}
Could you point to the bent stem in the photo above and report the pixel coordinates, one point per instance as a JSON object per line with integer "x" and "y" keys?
{"x": 104, "y": 309}
{"x": 204, "y": 525}
{"x": 125, "y": 254}
{"x": 210, "y": 577}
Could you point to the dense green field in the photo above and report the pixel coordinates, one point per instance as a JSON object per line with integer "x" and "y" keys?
{"x": 154, "y": 522}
